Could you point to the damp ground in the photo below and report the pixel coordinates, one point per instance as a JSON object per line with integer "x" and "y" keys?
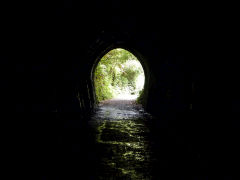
{"x": 122, "y": 146}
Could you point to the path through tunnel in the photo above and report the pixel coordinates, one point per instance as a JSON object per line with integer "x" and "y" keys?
{"x": 122, "y": 146}
{"x": 122, "y": 149}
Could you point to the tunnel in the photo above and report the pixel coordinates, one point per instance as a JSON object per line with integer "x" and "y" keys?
{"x": 191, "y": 91}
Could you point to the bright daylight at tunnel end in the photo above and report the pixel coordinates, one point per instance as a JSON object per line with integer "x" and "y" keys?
{"x": 119, "y": 75}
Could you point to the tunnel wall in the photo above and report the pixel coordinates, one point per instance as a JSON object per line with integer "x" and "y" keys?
{"x": 178, "y": 39}
{"x": 179, "y": 60}
{"x": 64, "y": 43}
{"x": 68, "y": 86}
{"x": 61, "y": 72}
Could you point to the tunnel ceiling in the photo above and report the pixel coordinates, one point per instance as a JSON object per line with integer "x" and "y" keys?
{"x": 69, "y": 35}
{"x": 84, "y": 21}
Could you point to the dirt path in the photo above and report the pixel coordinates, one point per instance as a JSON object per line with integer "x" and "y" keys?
{"x": 120, "y": 109}
{"x": 122, "y": 147}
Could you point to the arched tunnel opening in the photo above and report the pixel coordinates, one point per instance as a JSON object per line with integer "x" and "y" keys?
{"x": 120, "y": 72}
{"x": 119, "y": 75}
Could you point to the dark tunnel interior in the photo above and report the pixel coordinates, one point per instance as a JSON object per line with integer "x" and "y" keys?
{"x": 191, "y": 86}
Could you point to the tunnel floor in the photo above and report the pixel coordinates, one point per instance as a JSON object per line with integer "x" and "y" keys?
{"x": 120, "y": 140}
{"x": 122, "y": 146}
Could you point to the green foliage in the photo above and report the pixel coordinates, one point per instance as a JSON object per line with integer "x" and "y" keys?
{"x": 102, "y": 83}
{"x": 116, "y": 72}
{"x": 140, "y": 97}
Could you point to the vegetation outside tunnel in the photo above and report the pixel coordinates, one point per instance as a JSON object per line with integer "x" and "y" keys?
{"x": 118, "y": 72}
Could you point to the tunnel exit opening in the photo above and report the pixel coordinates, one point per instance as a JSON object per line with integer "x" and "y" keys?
{"x": 119, "y": 75}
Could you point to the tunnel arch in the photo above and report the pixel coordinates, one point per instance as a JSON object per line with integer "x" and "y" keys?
{"x": 107, "y": 48}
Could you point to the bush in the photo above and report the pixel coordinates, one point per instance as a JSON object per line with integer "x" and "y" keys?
{"x": 140, "y": 97}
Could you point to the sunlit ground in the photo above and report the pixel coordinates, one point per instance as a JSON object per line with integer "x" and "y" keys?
{"x": 126, "y": 97}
